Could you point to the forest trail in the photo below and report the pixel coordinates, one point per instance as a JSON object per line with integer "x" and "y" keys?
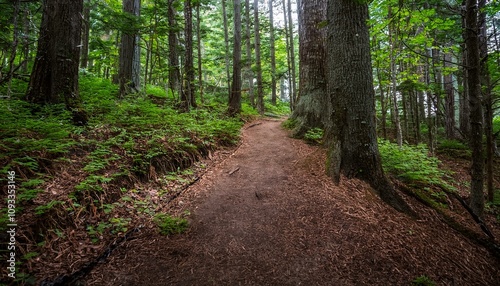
{"x": 267, "y": 215}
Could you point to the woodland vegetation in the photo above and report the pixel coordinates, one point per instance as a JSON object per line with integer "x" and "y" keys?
{"x": 99, "y": 97}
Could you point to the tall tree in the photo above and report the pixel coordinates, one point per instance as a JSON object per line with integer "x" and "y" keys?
{"x": 188, "y": 96}
{"x": 258, "y": 63}
{"x": 235, "y": 96}
{"x": 292, "y": 51}
{"x": 248, "y": 45}
{"x": 351, "y": 133}
{"x": 54, "y": 78}
{"x": 174, "y": 75}
{"x": 310, "y": 107}
{"x": 129, "y": 72}
{"x": 476, "y": 107}
{"x": 488, "y": 98}
{"x": 273, "y": 53}
{"x": 198, "y": 39}
{"x": 226, "y": 45}
{"x": 84, "y": 61}
{"x": 449, "y": 91}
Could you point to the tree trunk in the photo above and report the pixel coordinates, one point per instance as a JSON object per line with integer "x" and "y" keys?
{"x": 54, "y": 78}
{"x": 129, "y": 73}
{"x": 235, "y": 96}
{"x": 464, "y": 99}
{"x": 449, "y": 100}
{"x": 260, "y": 88}
{"x": 488, "y": 100}
{"x": 188, "y": 99}
{"x": 476, "y": 107}
{"x": 292, "y": 52}
{"x": 14, "y": 45}
{"x": 273, "y": 52}
{"x": 84, "y": 62}
{"x": 226, "y": 44}
{"x": 353, "y": 148}
{"x": 174, "y": 76}
{"x": 198, "y": 39}
{"x": 310, "y": 107}
{"x": 394, "y": 94}
{"x": 249, "y": 71}
{"x": 438, "y": 80}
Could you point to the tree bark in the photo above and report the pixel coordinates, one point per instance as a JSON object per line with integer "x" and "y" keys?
{"x": 174, "y": 76}
{"x": 272, "y": 52}
{"x": 84, "y": 61}
{"x": 476, "y": 107}
{"x": 188, "y": 99}
{"x": 260, "y": 88}
{"x": 351, "y": 134}
{"x": 235, "y": 96}
{"x": 395, "y": 107}
{"x": 226, "y": 45}
{"x": 129, "y": 72}
{"x": 292, "y": 52}
{"x": 310, "y": 107}
{"x": 248, "y": 43}
{"x": 449, "y": 100}
{"x": 488, "y": 99}
{"x": 198, "y": 39}
{"x": 54, "y": 78}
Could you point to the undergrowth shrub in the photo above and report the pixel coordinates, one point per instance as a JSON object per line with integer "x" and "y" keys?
{"x": 411, "y": 163}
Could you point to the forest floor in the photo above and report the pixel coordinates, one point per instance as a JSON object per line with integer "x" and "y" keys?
{"x": 266, "y": 214}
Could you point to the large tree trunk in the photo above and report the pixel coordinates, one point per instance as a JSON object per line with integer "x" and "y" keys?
{"x": 129, "y": 72}
{"x": 235, "y": 96}
{"x": 198, "y": 39}
{"x": 174, "y": 76}
{"x": 260, "y": 88}
{"x": 84, "y": 61}
{"x": 310, "y": 107}
{"x": 273, "y": 52}
{"x": 292, "y": 52}
{"x": 449, "y": 100}
{"x": 476, "y": 107}
{"x": 188, "y": 96}
{"x": 249, "y": 72}
{"x": 351, "y": 132}
{"x": 226, "y": 45}
{"x": 54, "y": 78}
{"x": 488, "y": 99}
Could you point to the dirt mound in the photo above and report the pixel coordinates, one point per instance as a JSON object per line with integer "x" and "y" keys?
{"x": 267, "y": 215}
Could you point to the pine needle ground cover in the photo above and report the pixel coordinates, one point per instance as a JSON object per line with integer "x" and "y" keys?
{"x": 84, "y": 181}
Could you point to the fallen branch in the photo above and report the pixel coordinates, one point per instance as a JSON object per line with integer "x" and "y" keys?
{"x": 234, "y": 171}
{"x": 253, "y": 125}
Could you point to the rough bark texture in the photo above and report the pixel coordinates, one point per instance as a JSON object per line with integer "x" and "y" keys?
{"x": 476, "y": 107}
{"x": 188, "y": 96}
{"x": 84, "y": 61}
{"x": 292, "y": 52}
{"x": 449, "y": 100}
{"x": 310, "y": 107}
{"x": 235, "y": 97}
{"x": 226, "y": 45}
{"x": 260, "y": 88}
{"x": 129, "y": 71}
{"x": 488, "y": 100}
{"x": 273, "y": 53}
{"x": 351, "y": 132}
{"x": 248, "y": 44}
{"x": 54, "y": 78}
{"x": 173, "y": 56}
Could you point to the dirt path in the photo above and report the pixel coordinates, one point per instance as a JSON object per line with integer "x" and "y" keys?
{"x": 278, "y": 220}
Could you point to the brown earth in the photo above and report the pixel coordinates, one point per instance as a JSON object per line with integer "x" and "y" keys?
{"x": 267, "y": 215}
